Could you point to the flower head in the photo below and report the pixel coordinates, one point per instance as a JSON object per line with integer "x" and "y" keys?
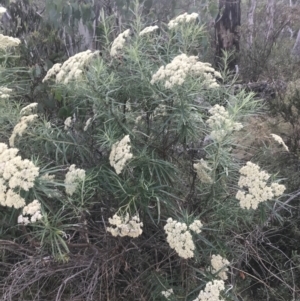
{"x": 256, "y": 188}
{"x": 148, "y": 30}
{"x": 179, "y": 238}
{"x": 15, "y": 174}
{"x": 6, "y": 41}
{"x": 73, "y": 177}
{"x": 219, "y": 265}
{"x": 175, "y": 73}
{"x": 221, "y": 123}
{"x": 125, "y": 225}
{"x": 21, "y": 127}
{"x": 181, "y": 19}
{"x": 120, "y": 154}
{"x": 118, "y": 43}
{"x": 212, "y": 291}
{"x": 33, "y": 209}
{"x": 71, "y": 69}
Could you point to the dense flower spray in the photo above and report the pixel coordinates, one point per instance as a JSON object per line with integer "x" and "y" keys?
{"x": 175, "y": 73}
{"x": 181, "y": 19}
{"x": 15, "y": 174}
{"x": 254, "y": 183}
{"x": 180, "y": 238}
{"x": 72, "y": 68}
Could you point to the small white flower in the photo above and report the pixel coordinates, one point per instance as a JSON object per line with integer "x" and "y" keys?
{"x": 167, "y": 293}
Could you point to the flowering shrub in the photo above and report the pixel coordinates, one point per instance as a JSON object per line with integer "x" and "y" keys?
{"x": 146, "y": 127}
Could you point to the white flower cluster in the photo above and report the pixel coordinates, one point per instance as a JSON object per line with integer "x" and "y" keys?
{"x": 120, "y": 154}
{"x": 212, "y": 291}
{"x": 255, "y": 182}
{"x": 184, "y": 18}
{"x": 73, "y": 177}
{"x": 6, "y": 41}
{"x": 280, "y": 141}
{"x": 20, "y": 127}
{"x": 221, "y": 123}
{"x": 14, "y": 173}
{"x": 29, "y": 109}
{"x": 181, "y": 66}
{"x": 196, "y": 226}
{"x": 180, "y": 238}
{"x": 125, "y": 226}
{"x": 203, "y": 171}
{"x": 219, "y": 265}
{"x": 4, "y": 92}
{"x": 167, "y": 293}
{"x": 72, "y": 68}
{"x": 34, "y": 210}
{"x": 119, "y": 42}
{"x": 148, "y": 30}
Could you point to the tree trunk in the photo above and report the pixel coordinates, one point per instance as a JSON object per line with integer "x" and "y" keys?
{"x": 252, "y": 6}
{"x": 296, "y": 49}
{"x": 270, "y": 18}
{"x": 227, "y": 26}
